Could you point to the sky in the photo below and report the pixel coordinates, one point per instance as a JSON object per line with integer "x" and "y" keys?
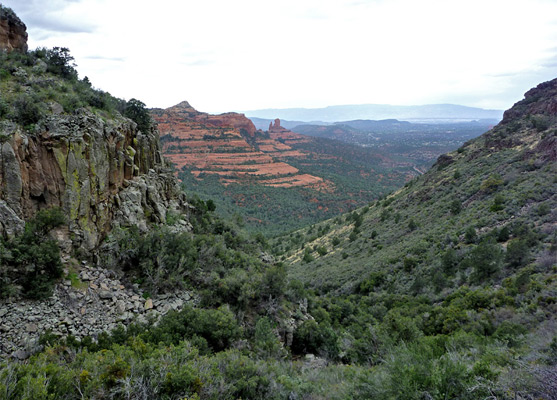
{"x": 224, "y": 55}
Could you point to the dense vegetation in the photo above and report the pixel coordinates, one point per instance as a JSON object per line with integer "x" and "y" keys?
{"x": 355, "y": 175}
{"x": 216, "y": 260}
{"x": 30, "y": 262}
{"x": 42, "y": 81}
{"x": 466, "y": 251}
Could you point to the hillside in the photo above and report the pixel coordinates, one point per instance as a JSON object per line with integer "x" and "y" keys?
{"x": 460, "y": 264}
{"x": 276, "y": 179}
{"x": 503, "y": 180}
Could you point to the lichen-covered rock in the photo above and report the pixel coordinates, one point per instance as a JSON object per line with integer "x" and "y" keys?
{"x": 10, "y": 224}
{"x": 101, "y": 172}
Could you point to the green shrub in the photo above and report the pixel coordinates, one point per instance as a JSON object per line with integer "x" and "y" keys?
{"x": 400, "y": 328}
{"x": 27, "y": 110}
{"x": 543, "y": 209}
{"x": 32, "y": 260}
{"x": 485, "y": 260}
{"x": 307, "y": 257}
{"x": 498, "y": 203}
{"x": 491, "y": 183}
{"x": 374, "y": 280}
{"x": 321, "y": 250}
{"x": 137, "y": 112}
{"x": 517, "y": 254}
{"x": 218, "y": 327}
{"x": 450, "y": 261}
{"x": 266, "y": 343}
{"x": 314, "y": 338}
{"x": 455, "y": 207}
{"x": 470, "y": 235}
{"x": 504, "y": 234}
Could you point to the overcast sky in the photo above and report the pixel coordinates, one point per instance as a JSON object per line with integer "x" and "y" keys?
{"x": 226, "y": 55}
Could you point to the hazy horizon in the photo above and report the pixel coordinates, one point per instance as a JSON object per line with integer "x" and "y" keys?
{"x": 250, "y": 55}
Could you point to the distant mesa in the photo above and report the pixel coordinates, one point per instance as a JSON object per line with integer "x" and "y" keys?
{"x": 13, "y": 32}
{"x": 230, "y": 120}
{"x": 230, "y": 147}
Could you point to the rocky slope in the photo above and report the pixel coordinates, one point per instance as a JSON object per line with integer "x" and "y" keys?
{"x": 95, "y": 302}
{"x": 13, "y": 32}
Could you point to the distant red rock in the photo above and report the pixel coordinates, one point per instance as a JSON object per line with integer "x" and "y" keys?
{"x": 228, "y": 145}
{"x": 276, "y": 128}
{"x": 226, "y": 120}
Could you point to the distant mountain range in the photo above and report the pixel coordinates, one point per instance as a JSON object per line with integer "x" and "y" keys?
{"x": 425, "y": 113}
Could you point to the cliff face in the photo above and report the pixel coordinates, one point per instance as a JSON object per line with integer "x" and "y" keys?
{"x": 13, "y": 32}
{"x": 102, "y": 173}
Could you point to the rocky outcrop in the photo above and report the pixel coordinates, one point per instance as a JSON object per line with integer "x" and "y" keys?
{"x": 541, "y": 100}
{"x": 276, "y": 128}
{"x": 13, "y": 32}
{"x": 229, "y": 120}
{"x": 529, "y": 121}
{"x": 101, "y": 172}
{"x": 96, "y": 301}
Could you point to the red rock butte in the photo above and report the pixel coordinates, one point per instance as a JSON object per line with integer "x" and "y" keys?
{"x": 229, "y": 146}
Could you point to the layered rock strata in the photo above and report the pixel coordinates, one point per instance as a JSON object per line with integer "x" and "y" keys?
{"x": 229, "y": 146}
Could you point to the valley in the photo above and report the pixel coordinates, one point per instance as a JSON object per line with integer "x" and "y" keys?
{"x": 174, "y": 254}
{"x": 278, "y": 179}
{"x": 275, "y": 180}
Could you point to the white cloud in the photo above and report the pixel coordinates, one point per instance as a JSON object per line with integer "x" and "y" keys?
{"x": 247, "y": 54}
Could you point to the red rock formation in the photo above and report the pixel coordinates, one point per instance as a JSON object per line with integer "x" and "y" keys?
{"x": 226, "y": 120}
{"x": 276, "y": 128}
{"x": 218, "y": 145}
{"x": 13, "y": 32}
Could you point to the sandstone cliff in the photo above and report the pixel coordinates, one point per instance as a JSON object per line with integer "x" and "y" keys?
{"x": 102, "y": 173}
{"x": 13, "y": 32}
